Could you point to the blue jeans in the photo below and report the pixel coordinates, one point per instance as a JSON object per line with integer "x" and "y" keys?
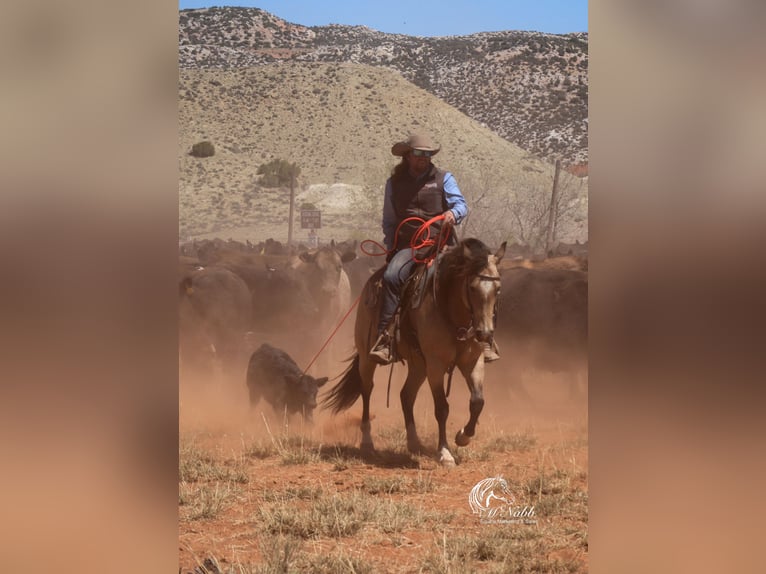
{"x": 394, "y": 277}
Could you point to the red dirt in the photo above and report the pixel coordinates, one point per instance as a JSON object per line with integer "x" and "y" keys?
{"x": 219, "y": 420}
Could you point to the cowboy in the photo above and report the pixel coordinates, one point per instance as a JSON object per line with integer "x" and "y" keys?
{"x": 416, "y": 188}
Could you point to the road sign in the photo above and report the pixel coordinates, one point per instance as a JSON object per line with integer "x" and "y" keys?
{"x": 311, "y": 219}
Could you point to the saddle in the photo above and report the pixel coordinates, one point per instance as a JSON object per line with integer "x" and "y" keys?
{"x": 415, "y": 287}
{"x": 413, "y": 291}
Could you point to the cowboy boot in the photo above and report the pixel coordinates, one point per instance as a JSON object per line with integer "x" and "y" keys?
{"x": 381, "y": 351}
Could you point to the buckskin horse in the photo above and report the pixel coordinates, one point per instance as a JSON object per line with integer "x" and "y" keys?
{"x": 447, "y": 329}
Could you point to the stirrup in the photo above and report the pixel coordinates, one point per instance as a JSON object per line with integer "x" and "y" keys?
{"x": 381, "y": 351}
{"x": 490, "y": 352}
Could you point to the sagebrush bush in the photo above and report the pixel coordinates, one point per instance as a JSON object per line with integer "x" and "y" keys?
{"x": 203, "y": 149}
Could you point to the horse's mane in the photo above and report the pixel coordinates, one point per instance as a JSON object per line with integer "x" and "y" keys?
{"x": 468, "y": 257}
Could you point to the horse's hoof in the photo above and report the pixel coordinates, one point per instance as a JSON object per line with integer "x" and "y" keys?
{"x": 446, "y": 459}
{"x": 367, "y": 448}
{"x": 447, "y": 462}
{"x": 462, "y": 439}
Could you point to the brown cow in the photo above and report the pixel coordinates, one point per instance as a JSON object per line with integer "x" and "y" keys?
{"x": 542, "y": 321}
{"x": 327, "y": 282}
{"x": 570, "y": 262}
{"x": 577, "y": 249}
{"x": 322, "y": 270}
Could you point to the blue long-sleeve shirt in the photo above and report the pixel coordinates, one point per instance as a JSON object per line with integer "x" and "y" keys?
{"x": 455, "y": 203}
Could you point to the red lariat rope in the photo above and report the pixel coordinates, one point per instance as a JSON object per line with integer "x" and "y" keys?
{"x": 417, "y": 241}
{"x": 333, "y": 333}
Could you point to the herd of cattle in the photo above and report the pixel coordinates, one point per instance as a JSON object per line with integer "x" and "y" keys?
{"x": 257, "y": 314}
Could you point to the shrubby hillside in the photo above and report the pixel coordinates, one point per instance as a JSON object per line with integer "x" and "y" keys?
{"x": 334, "y": 99}
{"x": 530, "y": 88}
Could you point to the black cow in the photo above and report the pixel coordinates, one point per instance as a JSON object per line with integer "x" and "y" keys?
{"x": 214, "y": 316}
{"x": 542, "y": 322}
{"x": 274, "y": 376}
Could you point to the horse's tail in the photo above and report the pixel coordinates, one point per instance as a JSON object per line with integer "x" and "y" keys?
{"x": 345, "y": 393}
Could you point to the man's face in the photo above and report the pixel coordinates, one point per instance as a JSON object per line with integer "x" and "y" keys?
{"x": 418, "y": 164}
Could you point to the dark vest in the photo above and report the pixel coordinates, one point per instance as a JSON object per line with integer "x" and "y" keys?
{"x": 423, "y": 198}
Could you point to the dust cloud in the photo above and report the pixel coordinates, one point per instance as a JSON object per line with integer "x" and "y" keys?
{"x": 519, "y": 397}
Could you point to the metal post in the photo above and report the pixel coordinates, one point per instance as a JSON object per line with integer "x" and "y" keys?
{"x": 552, "y": 211}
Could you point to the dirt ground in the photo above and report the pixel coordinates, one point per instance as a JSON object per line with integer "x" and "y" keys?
{"x": 257, "y": 492}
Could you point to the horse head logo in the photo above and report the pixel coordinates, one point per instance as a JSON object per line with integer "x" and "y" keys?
{"x": 490, "y": 495}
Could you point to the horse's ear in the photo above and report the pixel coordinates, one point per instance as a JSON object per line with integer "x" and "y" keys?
{"x": 500, "y": 252}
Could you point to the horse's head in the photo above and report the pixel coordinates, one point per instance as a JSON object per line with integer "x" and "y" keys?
{"x": 482, "y": 288}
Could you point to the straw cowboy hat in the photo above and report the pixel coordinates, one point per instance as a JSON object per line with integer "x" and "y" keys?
{"x": 415, "y": 141}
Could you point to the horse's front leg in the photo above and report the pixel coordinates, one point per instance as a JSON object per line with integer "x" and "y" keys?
{"x": 441, "y": 411}
{"x": 471, "y": 365}
{"x": 416, "y": 375}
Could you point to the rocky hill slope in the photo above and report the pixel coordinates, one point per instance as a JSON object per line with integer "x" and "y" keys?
{"x": 530, "y": 88}
{"x": 337, "y": 122}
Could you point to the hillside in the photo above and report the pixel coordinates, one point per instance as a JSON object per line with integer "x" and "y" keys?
{"x": 338, "y": 122}
{"x": 530, "y": 88}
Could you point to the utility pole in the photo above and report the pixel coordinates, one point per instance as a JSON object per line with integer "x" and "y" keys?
{"x": 552, "y": 211}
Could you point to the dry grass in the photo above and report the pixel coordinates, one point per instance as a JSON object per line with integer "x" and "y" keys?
{"x": 285, "y": 554}
{"x": 207, "y": 484}
{"x": 494, "y": 552}
{"x": 313, "y": 508}
{"x": 340, "y": 515}
{"x": 204, "y": 502}
{"x": 197, "y": 465}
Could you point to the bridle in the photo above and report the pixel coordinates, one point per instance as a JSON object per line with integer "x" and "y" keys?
{"x": 465, "y": 333}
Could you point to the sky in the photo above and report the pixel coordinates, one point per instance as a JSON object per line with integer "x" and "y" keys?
{"x": 425, "y": 17}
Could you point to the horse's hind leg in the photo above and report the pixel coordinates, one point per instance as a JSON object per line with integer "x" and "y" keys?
{"x": 415, "y": 378}
{"x": 366, "y": 372}
{"x": 474, "y": 376}
{"x": 441, "y": 411}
